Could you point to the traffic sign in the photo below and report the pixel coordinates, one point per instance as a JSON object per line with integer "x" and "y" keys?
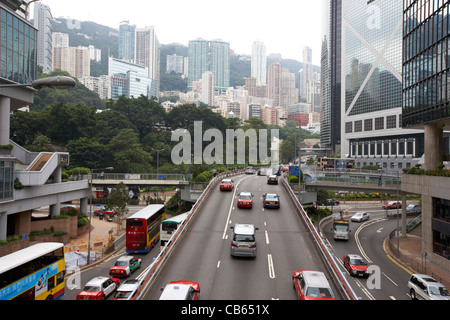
{"x": 294, "y": 171}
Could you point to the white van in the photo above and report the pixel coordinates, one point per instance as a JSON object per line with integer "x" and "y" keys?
{"x": 243, "y": 243}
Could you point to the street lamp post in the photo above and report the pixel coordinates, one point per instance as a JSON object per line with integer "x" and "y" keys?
{"x": 88, "y": 261}
{"x": 157, "y": 161}
{"x": 56, "y": 82}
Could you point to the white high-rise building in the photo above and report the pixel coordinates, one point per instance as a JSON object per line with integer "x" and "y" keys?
{"x": 147, "y": 54}
{"x": 60, "y": 39}
{"x": 259, "y": 63}
{"x": 43, "y": 21}
{"x": 208, "y": 84}
{"x": 307, "y": 74}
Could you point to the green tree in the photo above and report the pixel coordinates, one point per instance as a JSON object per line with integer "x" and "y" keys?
{"x": 89, "y": 153}
{"x": 118, "y": 200}
{"x": 128, "y": 153}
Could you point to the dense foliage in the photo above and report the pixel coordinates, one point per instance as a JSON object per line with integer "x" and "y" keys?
{"x": 127, "y": 133}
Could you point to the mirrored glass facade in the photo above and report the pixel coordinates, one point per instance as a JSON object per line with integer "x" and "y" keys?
{"x": 18, "y": 53}
{"x": 426, "y": 72}
{"x": 373, "y": 59}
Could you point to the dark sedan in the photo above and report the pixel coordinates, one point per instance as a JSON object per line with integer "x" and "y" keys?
{"x": 271, "y": 200}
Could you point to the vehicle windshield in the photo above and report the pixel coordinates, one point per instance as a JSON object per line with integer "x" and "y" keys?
{"x": 245, "y": 196}
{"x": 121, "y": 263}
{"x": 319, "y": 292}
{"x": 91, "y": 288}
{"x": 226, "y": 181}
{"x": 271, "y": 197}
{"x": 244, "y": 238}
{"x": 357, "y": 262}
{"x": 438, "y": 291}
{"x": 122, "y": 294}
{"x": 341, "y": 227}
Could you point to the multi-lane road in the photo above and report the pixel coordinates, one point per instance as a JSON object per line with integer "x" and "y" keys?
{"x": 283, "y": 245}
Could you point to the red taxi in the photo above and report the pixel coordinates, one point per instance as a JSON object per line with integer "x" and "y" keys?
{"x": 312, "y": 285}
{"x": 226, "y": 185}
{"x": 356, "y": 266}
{"x": 181, "y": 290}
{"x": 245, "y": 200}
{"x": 124, "y": 266}
{"x": 104, "y": 211}
{"x": 99, "y": 288}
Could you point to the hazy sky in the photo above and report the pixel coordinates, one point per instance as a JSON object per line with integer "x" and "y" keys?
{"x": 285, "y": 26}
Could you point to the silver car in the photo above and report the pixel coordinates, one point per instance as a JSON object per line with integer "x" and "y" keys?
{"x": 243, "y": 243}
{"x": 424, "y": 287}
{"x": 360, "y": 216}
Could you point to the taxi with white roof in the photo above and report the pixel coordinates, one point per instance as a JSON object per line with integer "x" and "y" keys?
{"x": 181, "y": 290}
{"x": 312, "y": 285}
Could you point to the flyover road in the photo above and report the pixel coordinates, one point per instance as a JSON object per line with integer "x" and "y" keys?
{"x": 203, "y": 256}
{"x": 367, "y": 240}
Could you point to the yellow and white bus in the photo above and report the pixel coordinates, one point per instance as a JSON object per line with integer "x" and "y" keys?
{"x": 33, "y": 273}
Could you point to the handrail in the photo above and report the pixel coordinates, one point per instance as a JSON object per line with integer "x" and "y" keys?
{"x": 342, "y": 281}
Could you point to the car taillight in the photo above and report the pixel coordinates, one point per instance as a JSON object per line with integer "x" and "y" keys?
{"x": 266, "y": 202}
{"x": 234, "y": 245}
{"x": 253, "y": 246}
{"x": 99, "y": 296}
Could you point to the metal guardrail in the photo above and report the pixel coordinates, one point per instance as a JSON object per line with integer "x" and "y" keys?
{"x": 341, "y": 281}
{"x": 141, "y": 176}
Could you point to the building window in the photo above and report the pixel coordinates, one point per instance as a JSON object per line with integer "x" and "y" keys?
{"x": 391, "y": 122}
{"x": 6, "y": 180}
{"x": 358, "y": 126}
{"x": 348, "y": 127}
{"x": 379, "y": 123}
{"x": 441, "y": 209}
{"x": 368, "y": 125}
{"x": 441, "y": 244}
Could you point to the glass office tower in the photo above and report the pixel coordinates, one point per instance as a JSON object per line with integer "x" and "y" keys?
{"x": 426, "y": 92}
{"x": 426, "y": 105}
{"x": 18, "y": 55}
{"x": 330, "y": 118}
{"x": 371, "y": 90}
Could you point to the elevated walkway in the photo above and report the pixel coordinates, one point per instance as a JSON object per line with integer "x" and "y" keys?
{"x": 140, "y": 179}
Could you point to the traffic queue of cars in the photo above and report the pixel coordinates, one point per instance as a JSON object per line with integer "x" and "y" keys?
{"x": 99, "y": 288}
{"x": 308, "y": 285}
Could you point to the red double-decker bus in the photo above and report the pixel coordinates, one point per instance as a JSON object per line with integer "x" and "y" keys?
{"x": 143, "y": 228}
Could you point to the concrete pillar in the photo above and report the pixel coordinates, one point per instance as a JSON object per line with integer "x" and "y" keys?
{"x": 3, "y": 225}
{"x": 5, "y": 110}
{"x": 403, "y": 215}
{"x": 55, "y": 210}
{"x": 57, "y": 175}
{"x": 434, "y": 152}
{"x": 84, "y": 206}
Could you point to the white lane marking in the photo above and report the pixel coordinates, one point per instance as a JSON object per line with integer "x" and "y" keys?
{"x": 267, "y": 237}
{"x": 231, "y": 208}
{"x": 271, "y": 268}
